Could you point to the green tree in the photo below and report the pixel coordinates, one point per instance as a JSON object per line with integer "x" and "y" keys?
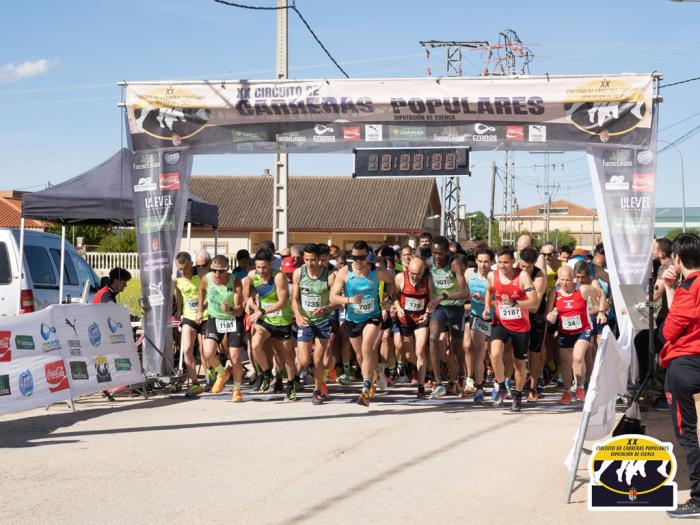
{"x": 562, "y": 238}
{"x": 92, "y": 235}
{"x": 120, "y": 241}
{"x": 675, "y": 232}
{"x": 477, "y": 224}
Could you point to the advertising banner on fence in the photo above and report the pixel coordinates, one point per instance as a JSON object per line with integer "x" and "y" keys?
{"x": 485, "y": 113}
{"x": 64, "y": 351}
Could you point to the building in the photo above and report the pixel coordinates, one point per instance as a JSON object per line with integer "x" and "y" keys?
{"x": 11, "y": 212}
{"x": 582, "y": 223}
{"x": 333, "y": 210}
{"x": 668, "y": 219}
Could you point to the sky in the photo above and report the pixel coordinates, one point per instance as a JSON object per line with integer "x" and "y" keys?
{"x": 61, "y": 60}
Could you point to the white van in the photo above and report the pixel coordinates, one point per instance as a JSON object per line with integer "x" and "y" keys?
{"x": 38, "y": 285}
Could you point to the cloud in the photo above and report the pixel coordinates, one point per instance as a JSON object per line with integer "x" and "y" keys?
{"x": 30, "y": 68}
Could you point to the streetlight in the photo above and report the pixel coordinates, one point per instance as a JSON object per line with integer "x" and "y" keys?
{"x": 469, "y": 218}
{"x": 672, "y": 145}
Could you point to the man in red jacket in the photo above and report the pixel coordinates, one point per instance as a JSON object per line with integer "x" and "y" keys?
{"x": 681, "y": 355}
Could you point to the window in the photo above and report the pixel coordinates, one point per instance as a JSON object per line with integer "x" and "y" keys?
{"x": 222, "y": 248}
{"x": 85, "y": 273}
{"x": 5, "y": 269}
{"x": 69, "y": 275}
{"x": 40, "y": 266}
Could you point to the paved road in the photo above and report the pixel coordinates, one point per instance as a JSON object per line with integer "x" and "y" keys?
{"x": 169, "y": 459}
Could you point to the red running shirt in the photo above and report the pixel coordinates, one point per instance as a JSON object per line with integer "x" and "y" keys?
{"x": 513, "y": 318}
{"x": 573, "y": 313}
{"x": 414, "y": 299}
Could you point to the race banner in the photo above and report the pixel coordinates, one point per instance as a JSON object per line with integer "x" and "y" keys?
{"x": 484, "y": 113}
{"x": 64, "y": 351}
{"x": 161, "y": 180}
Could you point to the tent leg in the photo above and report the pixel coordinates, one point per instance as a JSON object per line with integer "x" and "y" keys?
{"x": 61, "y": 272}
{"x": 20, "y": 265}
{"x": 189, "y": 237}
{"x": 216, "y": 241}
{"x": 577, "y": 455}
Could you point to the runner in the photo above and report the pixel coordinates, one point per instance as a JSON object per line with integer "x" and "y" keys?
{"x": 357, "y": 288}
{"x": 314, "y": 314}
{"x": 187, "y": 295}
{"x": 512, "y": 292}
{"x": 223, "y": 293}
{"x": 272, "y": 321}
{"x": 446, "y": 309}
{"x": 406, "y": 256}
{"x": 570, "y": 305}
{"x": 414, "y": 294}
{"x": 477, "y": 330}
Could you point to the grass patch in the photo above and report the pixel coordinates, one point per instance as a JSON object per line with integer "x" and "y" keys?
{"x": 130, "y": 297}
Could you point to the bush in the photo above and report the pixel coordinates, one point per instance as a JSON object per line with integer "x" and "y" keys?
{"x": 121, "y": 241}
{"x": 130, "y": 297}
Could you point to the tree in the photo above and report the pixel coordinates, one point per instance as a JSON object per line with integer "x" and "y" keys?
{"x": 561, "y": 238}
{"x": 675, "y": 232}
{"x": 92, "y": 235}
{"x": 121, "y": 241}
{"x": 477, "y": 224}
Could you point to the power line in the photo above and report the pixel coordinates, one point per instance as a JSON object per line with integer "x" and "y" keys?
{"x": 293, "y": 7}
{"x": 680, "y": 82}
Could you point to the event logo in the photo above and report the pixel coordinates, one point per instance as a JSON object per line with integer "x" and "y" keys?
{"x": 643, "y": 182}
{"x": 122, "y": 364}
{"x": 406, "y": 132}
{"x": 102, "y": 369}
{"x": 114, "y": 337}
{"x": 515, "y": 133}
{"x": 619, "y": 158}
{"x": 605, "y": 107}
{"x": 537, "y": 133}
{"x": 291, "y": 137}
{"x": 5, "y": 385}
{"x": 145, "y": 184}
{"x": 146, "y": 161}
{"x": 645, "y": 157}
{"x": 171, "y": 113}
{"x": 95, "y": 334}
{"x": 484, "y": 133}
{"x": 250, "y": 135}
{"x": 56, "y": 376}
{"x": 352, "y": 133}
{"x": 5, "y": 349}
{"x": 323, "y": 133}
{"x": 26, "y": 383}
{"x": 155, "y": 298}
{"x": 24, "y": 342}
{"x": 169, "y": 181}
{"x": 617, "y": 183}
{"x": 171, "y": 157}
{"x": 49, "y": 345}
{"x": 79, "y": 371}
{"x": 153, "y": 224}
{"x": 373, "y": 133}
{"x": 632, "y": 472}
{"x": 635, "y": 203}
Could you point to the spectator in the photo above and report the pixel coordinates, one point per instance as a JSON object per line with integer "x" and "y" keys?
{"x": 118, "y": 277}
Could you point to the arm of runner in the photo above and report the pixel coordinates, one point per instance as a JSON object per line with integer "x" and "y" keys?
{"x": 541, "y": 288}
{"x": 249, "y": 294}
{"x": 201, "y": 294}
{"x": 337, "y": 296}
{"x": 331, "y": 307}
{"x": 488, "y": 298}
{"x": 237, "y": 297}
{"x": 530, "y": 291}
{"x": 603, "y": 306}
{"x": 389, "y": 287}
{"x": 670, "y": 276}
{"x": 398, "y": 281}
{"x": 178, "y": 299}
{"x": 296, "y": 305}
{"x": 463, "y": 292}
{"x": 550, "y": 315}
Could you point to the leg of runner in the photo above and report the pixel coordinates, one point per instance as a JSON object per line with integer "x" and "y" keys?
{"x": 496, "y": 351}
{"x": 579, "y": 367}
{"x": 284, "y": 350}
{"x": 364, "y": 346}
{"x": 346, "y": 351}
{"x": 565, "y": 368}
{"x": 421, "y": 342}
{"x": 259, "y": 341}
{"x": 475, "y": 356}
{"x": 437, "y": 350}
{"x": 235, "y": 354}
{"x": 187, "y": 339}
{"x": 321, "y": 361}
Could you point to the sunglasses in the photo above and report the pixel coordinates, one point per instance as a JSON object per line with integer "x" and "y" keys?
{"x": 547, "y": 254}
{"x": 358, "y": 258}
{"x": 219, "y": 270}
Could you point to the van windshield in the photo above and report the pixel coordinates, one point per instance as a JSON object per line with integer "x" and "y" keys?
{"x": 5, "y": 271}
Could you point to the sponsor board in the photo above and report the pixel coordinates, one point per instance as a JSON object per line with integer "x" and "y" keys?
{"x": 79, "y": 371}
{"x": 5, "y": 347}
{"x": 323, "y": 133}
{"x": 373, "y": 133}
{"x": 250, "y": 135}
{"x": 49, "y": 344}
{"x": 95, "y": 334}
{"x": 5, "y": 385}
{"x": 516, "y": 133}
{"x": 25, "y": 382}
{"x": 155, "y": 297}
{"x": 24, "y": 342}
{"x": 146, "y": 161}
{"x": 156, "y": 224}
{"x": 169, "y": 181}
{"x": 406, "y": 132}
{"x": 114, "y": 326}
{"x": 145, "y": 184}
{"x": 122, "y": 364}
{"x": 292, "y": 137}
{"x": 537, "y": 133}
{"x": 56, "y": 377}
{"x": 102, "y": 369}
{"x": 645, "y": 157}
{"x": 617, "y": 183}
{"x": 352, "y": 133}
{"x": 643, "y": 182}
{"x": 171, "y": 157}
{"x": 484, "y": 133}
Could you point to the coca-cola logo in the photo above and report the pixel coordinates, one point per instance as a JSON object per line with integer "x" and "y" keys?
{"x": 5, "y": 351}
{"x": 169, "y": 181}
{"x": 56, "y": 377}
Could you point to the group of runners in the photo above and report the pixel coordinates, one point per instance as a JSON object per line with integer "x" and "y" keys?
{"x": 446, "y": 320}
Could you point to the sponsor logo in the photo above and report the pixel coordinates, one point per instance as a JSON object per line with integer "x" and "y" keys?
{"x": 171, "y": 113}
{"x": 352, "y": 133}
{"x": 171, "y": 157}
{"x": 632, "y": 472}
{"x": 537, "y": 133}
{"x": 114, "y": 337}
{"x": 645, "y": 157}
{"x": 635, "y": 203}
{"x": 26, "y": 383}
{"x": 155, "y": 262}
{"x": 291, "y": 137}
{"x": 155, "y": 297}
{"x": 79, "y": 371}
{"x": 605, "y": 107}
{"x": 155, "y": 244}
{"x": 245, "y": 147}
{"x": 515, "y": 132}
{"x": 46, "y": 331}
{"x": 373, "y": 133}
{"x": 74, "y": 347}
{"x": 102, "y": 369}
{"x": 56, "y": 376}
{"x": 451, "y": 134}
{"x": 159, "y": 203}
{"x": 156, "y": 224}
{"x": 406, "y": 132}
{"x": 122, "y": 364}
{"x": 49, "y": 345}
{"x": 72, "y": 325}
{"x": 24, "y": 342}
{"x": 145, "y": 184}
{"x": 146, "y": 161}
{"x": 250, "y": 135}
{"x": 617, "y": 183}
{"x": 484, "y": 133}
{"x": 5, "y": 385}
{"x": 620, "y": 158}
{"x": 323, "y": 133}
{"x": 5, "y": 350}
{"x": 169, "y": 181}
{"x": 643, "y": 182}
{"x": 95, "y": 334}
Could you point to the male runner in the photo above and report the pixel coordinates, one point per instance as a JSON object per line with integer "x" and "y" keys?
{"x": 187, "y": 295}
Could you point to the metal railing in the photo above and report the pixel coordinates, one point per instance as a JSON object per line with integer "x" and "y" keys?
{"x": 103, "y": 262}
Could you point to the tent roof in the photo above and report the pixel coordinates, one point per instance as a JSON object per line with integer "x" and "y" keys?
{"x": 103, "y": 195}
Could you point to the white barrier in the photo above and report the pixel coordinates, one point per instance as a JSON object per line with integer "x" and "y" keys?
{"x": 64, "y": 351}
{"x": 103, "y": 262}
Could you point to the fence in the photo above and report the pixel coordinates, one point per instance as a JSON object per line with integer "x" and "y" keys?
{"x": 103, "y": 262}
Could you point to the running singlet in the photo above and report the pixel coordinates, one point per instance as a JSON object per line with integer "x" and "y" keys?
{"x": 267, "y": 291}
{"x": 314, "y": 294}
{"x": 218, "y": 295}
{"x": 543, "y": 303}
{"x": 551, "y": 279}
{"x": 513, "y": 318}
{"x": 477, "y": 285}
{"x": 189, "y": 288}
{"x": 443, "y": 281}
{"x": 413, "y": 299}
{"x": 369, "y": 288}
{"x": 573, "y": 313}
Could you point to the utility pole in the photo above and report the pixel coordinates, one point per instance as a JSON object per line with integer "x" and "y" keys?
{"x": 280, "y": 224}
{"x": 493, "y": 196}
{"x": 548, "y": 189}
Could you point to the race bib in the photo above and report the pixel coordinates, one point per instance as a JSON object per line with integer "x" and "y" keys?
{"x": 414, "y": 305}
{"x": 442, "y": 283}
{"x": 224, "y": 326}
{"x": 310, "y": 303}
{"x": 571, "y": 323}
{"x": 191, "y": 304}
{"x": 276, "y": 313}
{"x": 509, "y": 313}
{"x": 481, "y": 326}
{"x": 365, "y": 307}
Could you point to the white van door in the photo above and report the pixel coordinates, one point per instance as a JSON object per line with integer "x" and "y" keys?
{"x": 43, "y": 274}
{"x": 9, "y": 286}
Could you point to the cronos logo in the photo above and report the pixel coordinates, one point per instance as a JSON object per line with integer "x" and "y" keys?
{"x": 605, "y": 108}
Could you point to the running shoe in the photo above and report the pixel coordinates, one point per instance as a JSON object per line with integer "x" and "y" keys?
{"x": 324, "y": 392}
{"x": 565, "y": 398}
{"x": 363, "y": 400}
{"x": 236, "y": 397}
{"x": 373, "y": 390}
{"x": 291, "y": 393}
{"x": 470, "y": 386}
{"x": 221, "y": 379}
{"x": 344, "y": 379}
{"x": 533, "y": 396}
{"x": 265, "y": 384}
{"x": 210, "y": 377}
{"x": 421, "y": 393}
{"x": 451, "y": 388}
{"x": 689, "y": 509}
{"x": 194, "y": 391}
{"x": 500, "y": 396}
{"x": 317, "y": 398}
{"x": 279, "y": 385}
{"x": 479, "y": 396}
{"x": 559, "y": 380}
{"x": 298, "y": 386}
{"x": 460, "y": 387}
{"x": 255, "y": 387}
{"x": 438, "y": 392}
{"x": 580, "y": 394}
{"x": 382, "y": 381}
{"x": 516, "y": 405}
{"x": 332, "y": 376}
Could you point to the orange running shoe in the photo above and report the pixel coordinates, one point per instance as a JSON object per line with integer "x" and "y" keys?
{"x": 237, "y": 397}
{"x": 332, "y": 376}
{"x": 565, "y": 398}
{"x": 221, "y": 379}
{"x": 373, "y": 390}
{"x": 580, "y": 394}
{"x": 324, "y": 391}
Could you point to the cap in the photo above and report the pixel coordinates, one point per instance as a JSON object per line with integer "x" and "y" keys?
{"x": 288, "y": 265}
